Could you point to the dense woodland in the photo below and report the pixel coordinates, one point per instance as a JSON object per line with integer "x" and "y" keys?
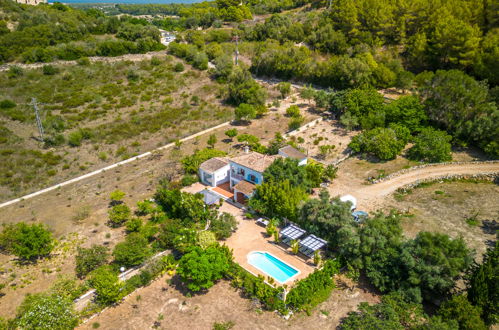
{"x": 49, "y": 32}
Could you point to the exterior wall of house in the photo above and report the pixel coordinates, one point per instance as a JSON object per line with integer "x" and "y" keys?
{"x": 214, "y": 179}
{"x": 239, "y": 172}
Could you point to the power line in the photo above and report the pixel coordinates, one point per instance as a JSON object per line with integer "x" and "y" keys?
{"x": 34, "y": 103}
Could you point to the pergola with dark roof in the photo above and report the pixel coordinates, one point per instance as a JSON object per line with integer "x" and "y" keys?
{"x": 291, "y": 232}
{"x": 310, "y": 244}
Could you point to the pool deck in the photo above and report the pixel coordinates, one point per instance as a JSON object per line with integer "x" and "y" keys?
{"x": 251, "y": 237}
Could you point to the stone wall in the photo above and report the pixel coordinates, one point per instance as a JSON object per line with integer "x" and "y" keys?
{"x": 393, "y": 175}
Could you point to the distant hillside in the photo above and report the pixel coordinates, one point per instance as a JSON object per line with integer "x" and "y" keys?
{"x": 44, "y": 33}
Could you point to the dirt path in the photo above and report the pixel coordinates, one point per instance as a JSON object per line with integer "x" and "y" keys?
{"x": 126, "y": 57}
{"x": 370, "y": 197}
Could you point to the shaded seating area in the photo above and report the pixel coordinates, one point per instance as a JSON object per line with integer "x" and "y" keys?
{"x": 310, "y": 244}
{"x": 209, "y": 197}
{"x": 290, "y": 233}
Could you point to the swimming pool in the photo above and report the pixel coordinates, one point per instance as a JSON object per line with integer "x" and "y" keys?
{"x": 271, "y": 266}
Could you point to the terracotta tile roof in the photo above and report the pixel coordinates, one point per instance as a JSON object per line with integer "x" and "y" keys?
{"x": 245, "y": 187}
{"x": 255, "y": 161}
{"x": 213, "y": 164}
{"x": 293, "y": 152}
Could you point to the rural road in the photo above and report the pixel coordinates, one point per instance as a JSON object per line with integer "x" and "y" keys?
{"x": 371, "y": 194}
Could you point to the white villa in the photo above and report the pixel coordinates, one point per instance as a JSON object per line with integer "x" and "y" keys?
{"x": 237, "y": 177}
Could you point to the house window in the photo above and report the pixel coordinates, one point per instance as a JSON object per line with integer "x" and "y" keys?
{"x": 240, "y": 171}
{"x": 253, "y": 178}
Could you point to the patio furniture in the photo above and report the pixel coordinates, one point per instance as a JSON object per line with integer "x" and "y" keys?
{"x": 263, "y": 222}
{"x": 291, "y": 232}
{"x": 310, "y": 244}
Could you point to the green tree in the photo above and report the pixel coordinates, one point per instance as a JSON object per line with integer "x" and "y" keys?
{"x": 393, "y": 312}
{"x": 433, "y": 262}
{"x": 245, "y": 112}
{"x": 384, "y": 143}
{"x": 133, "y": 251}
{"x": 200, "y": 269}
{"x": 379, "y": 245}
{"x": 191, "y": 163}
{"x": 288, "y": 169}
{"x": 244, "y": 89}
{"x": 459, "y": 309}
{"x": 27, "y": 242}
{"x": 324, "y": 216}
{"x": 407, "y": 111}
{"x": 453, "y": 100}
{"x": 278, "y": 199}
{"x": 43, "y": 311}
{"x": 431, "y": 146}
{"x": 88, "y": 259}
{"x": 455, "y": 43}
{"x": 483, "y": 285}
{"x": 190, "y": 209}
{"x": 212, "y": 140}
{"x": 118, "y": 215}
{"x": 107, "y": 285}
{"x": 231, "y": 133}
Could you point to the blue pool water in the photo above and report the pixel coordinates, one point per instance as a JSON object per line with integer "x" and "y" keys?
{"x": 271, "y": 266}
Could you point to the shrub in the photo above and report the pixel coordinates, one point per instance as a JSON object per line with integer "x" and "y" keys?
{"x": 133, "y": 251}
{"x": 118, "y": 215}
{"x": 187, "y": 180}
{"x": 231, "y": 133}
{"x": 431, "y": 146}
{"x": 178, "y": 67}
{"x": 15, "y": 71}
{"x": 107, "y": 285}
{"x": 75, "y": 138}
{"x": 49, "y": 70}
{"x": 43, "y": 311}
{"x": 293, "y": 111}
{"x": 133, "y": 225}
{"x": 295, "y": 123}
{"x": 191, "y": 163}
{"x": 284, "y": 89}
{"x": 255, "y": 287}
{"x": 27, "y": 241}
{"x": 88, "y": 259}
{"x": 223, "y": 226}
{"x": 200, "y": 269}
{"x": 7, "y": 104}
{"x": 314, "y": 289}
{"x": 117, "y": 196}
{"x": 206, "y": 239}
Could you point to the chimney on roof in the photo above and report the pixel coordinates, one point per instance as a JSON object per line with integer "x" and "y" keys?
{"x": 246, "y": 149}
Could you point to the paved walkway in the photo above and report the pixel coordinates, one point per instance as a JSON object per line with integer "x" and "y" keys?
{"x": 251, "y": 237}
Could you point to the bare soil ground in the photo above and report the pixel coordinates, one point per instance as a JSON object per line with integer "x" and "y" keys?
{"x": 161, "y": 305}
{"x": 60, "y": 208}
{"x": 444, "y": 208}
